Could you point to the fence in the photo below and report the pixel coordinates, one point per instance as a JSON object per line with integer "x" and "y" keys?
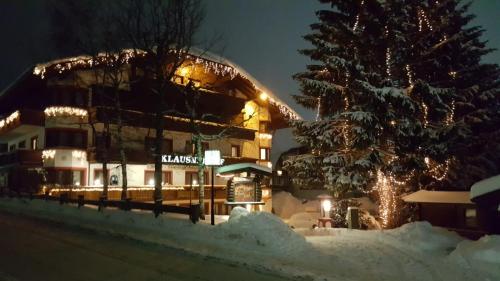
{"x": 193, "y": 211}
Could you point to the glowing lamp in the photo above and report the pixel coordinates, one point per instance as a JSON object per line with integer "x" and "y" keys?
{"x": 263, "y": 96}
{"x": 325, "y": 205}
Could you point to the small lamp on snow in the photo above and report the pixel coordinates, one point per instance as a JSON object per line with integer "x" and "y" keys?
{"x": 325, "y": 205}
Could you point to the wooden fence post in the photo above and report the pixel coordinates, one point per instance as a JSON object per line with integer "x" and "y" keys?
{"x": 81, "y": 201}
{"x": 194, "y": 215}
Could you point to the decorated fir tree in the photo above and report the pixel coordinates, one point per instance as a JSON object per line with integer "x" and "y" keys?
{"x": 387, "y": 87}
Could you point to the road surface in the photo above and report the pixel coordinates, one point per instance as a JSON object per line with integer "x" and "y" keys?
{"x": 43, "y": 251}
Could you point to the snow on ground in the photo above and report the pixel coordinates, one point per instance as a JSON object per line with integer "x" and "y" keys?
{"x": 416, "y": 251}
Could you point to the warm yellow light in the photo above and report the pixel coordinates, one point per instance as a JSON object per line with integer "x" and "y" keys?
{"x": 327, "y": 206}
{"x": 184, "y": 71}
{"x": 263, "y": 96}
{"x": 249, "y": 109}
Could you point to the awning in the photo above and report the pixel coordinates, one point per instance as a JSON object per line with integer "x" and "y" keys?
{"x": 443, "y": 197}
{"x": 244, "y": 167}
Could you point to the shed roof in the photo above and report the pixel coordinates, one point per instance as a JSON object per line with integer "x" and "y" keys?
{"x": 244, "y": 167}
{"x": 443, "y": 197}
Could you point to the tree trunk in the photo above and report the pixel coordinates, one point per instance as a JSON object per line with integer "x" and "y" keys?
{"x": 201, "y": 176}
{"x": 104, "y": 194}
{"x": 123, "y": 156}
{"x": 123, "y": 159}
{"x": 157, "y": 156}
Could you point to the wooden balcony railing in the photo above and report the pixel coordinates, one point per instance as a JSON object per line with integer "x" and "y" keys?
{"x": 22, "y": 157}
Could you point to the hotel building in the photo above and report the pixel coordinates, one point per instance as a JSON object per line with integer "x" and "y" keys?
{"x": 53, "y": 116}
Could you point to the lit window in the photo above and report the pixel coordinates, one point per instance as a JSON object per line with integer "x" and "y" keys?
{"x": 149, "y": 178}
{"x": 264, "y": 153}
{"x": 34, "y": 143}
{"x": 235, "y": 151}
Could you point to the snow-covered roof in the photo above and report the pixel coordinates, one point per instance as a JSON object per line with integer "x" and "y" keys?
{"x": 244, "y": 167}
{"x": 445, "y": 197}
{"x": 485, "y": 186}
{"x": 215, "y": 61}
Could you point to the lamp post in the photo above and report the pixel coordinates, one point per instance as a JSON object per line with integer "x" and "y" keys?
{"x": 212, "y": 158}
{"x": 325, "y": 208}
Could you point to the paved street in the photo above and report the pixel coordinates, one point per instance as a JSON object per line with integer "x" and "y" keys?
{"x": 37, "y": 250}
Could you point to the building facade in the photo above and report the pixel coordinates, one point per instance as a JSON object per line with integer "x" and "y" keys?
{"x": 58, "y": 123}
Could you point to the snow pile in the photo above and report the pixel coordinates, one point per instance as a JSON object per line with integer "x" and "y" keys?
{"x": 483, "y": 255}
{"x": 285, "y": 205}
{"x": 416, "y": 251}
{"x": 264, "y": 230}
{"x": 424, "y": 236}
{"x": 258, "y": 239}
{"x": 303, "y": 220}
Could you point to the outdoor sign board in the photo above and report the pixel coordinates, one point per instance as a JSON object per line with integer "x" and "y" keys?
{"x": 188, "y": 159}
{"x": 243, "y": 189}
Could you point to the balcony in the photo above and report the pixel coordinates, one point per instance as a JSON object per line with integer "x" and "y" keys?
{"x": 29, "y": 158}
{"x": 20, "y": 122}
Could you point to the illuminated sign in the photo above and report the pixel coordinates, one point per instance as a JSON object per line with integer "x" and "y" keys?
{"x": 179, "y": 159}
{"x": 212, "y": 158}
{"x": 187, "y": 159}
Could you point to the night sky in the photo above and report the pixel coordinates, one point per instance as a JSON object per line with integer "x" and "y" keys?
{"x": 262, "y": 36}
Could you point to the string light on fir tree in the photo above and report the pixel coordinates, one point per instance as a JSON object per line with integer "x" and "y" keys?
{"x": 410, "y": 75}
{"x": 451, "y": 115}
{"x": 422, "y": 18}
{"x": 356, "y": 24}
{"x": 388, "y": 63}
{"x": 426, "y": 114}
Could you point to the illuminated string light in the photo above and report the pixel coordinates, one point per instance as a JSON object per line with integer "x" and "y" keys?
{"x": 410, "y": 75}
{"x": 264, "y": 136}
{"x": 356, "y": 23}
{"x": 451, "y": 115}
{"x": 388, "y": 62}
{"x": 54, "y": 111}
{"x": 9, "y": 119}
{"x": 48, "y": 154}
{"x": 318, "y": 109}
{"x": 426, "y": 114}
{"x": 79, "y": 154}
{"x": 60, "y": 66}
{"x": 422, "y": 18}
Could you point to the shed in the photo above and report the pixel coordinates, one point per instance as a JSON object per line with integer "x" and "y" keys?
{"x": 486, "y": 194}
{"x": 451, "y": 209}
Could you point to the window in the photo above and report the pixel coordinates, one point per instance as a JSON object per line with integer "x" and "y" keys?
{"x": 264, "y": 153}
{"x": 191, "y": 149}
{"x": 22, "y": 144}
{"x": 167, "y": 146}
{"x": 34, "y": 143}
{"x": 99, "y": 177}
{"x": 66, "y": 138}
{"x": 264, "y": 127}
{"x": 65, "y": 177}
{"x": 235, "y": 150}
{"x": 12, "y": 147}
{"x": 470, "y": 217}
{"x": 149, "y": 178}
{"x": 193, "y": 175}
